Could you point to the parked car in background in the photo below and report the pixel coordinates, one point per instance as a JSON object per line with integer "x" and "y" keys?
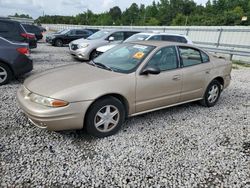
{"x": 14, "y": 60}
{"x": 14, "y": 31}
{"x": 33, "y": 29}
{"x": 93, "y": 30}
{"x": 149, "y": 36}
{"x": 128, "y": 80}
{"x": 66, "y": 36}
{"x": 42, "y": 28}
{"x": 85, "y": 49}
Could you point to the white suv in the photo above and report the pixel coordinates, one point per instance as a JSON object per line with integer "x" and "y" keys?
{"x": 149, "y": 36}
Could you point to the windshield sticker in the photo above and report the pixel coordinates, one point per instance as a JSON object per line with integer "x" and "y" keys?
{"x": 138, "y": 55}
{"x": 141, "y": 47}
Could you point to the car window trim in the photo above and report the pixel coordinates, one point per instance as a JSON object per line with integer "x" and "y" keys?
{"x": 181, "y": 60}
{"x": 178, "y": 60}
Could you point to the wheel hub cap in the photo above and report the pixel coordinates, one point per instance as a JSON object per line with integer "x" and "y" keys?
{"x": 107, "y": 118}
{"x": 213, "y": 93}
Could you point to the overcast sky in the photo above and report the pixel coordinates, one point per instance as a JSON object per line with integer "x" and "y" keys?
{"x": 36, "y": 8}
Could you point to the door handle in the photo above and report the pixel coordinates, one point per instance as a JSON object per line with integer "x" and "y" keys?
{"x": 208, "y": 71}
{"x": 177, "y": 77}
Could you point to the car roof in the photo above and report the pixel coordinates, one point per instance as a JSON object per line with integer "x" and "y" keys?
{"x": 161, "y": 43}
{"x": 121, "y": 30}
{"x": 153, "y": 33}
{"x": 9, "y": 20}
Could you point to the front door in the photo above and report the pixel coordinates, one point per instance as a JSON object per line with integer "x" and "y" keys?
{"x": 155, "y": 91}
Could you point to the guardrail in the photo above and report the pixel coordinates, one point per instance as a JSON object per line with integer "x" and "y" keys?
{"x": 228, "y": 40}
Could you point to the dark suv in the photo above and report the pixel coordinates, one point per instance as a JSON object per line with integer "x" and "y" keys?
{"x": 68, "y": 35}
{"x": 14, "y": 31}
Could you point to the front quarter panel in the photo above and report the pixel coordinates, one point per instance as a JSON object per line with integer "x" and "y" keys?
{"x": 123, "y": 85}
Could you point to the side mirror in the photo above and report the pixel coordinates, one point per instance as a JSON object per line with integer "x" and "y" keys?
{"x": 111, "y": 39}
{"x": 151, "y": 70}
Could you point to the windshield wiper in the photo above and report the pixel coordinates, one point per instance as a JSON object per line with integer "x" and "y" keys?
{"x": 102, "y": 66}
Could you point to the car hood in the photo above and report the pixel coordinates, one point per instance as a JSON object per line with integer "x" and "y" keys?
{"x": 67, "y": 81}
{"x": 81, "y": 41}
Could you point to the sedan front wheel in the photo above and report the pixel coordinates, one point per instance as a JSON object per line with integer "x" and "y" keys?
{"x": 105, "y": 117}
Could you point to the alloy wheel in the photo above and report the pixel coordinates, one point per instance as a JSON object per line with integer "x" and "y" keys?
{"x": 3, "y": 74}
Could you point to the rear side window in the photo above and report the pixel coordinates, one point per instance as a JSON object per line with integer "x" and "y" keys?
{"x": 172, "y": 38}
{"x": 128, "y": 34}
{"x": 80, "y": 32}
{"x": 6, "y": 26}
{"x": 10, "y": 28}
{"x": 190, "y": 56}
{"x": 156, "y": 37}
{"x": 205, "y": 57}
{"x": 118, "y": 36}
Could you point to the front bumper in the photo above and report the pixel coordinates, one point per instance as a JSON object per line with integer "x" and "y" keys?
{"x": 82, "y": 54}
{"x": 55, "y": 119}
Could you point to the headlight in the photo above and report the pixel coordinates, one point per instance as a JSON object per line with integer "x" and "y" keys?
{"x": 46, "y": 101}
{"x": 83, "y": 45}
{"x": 52, "y": 37}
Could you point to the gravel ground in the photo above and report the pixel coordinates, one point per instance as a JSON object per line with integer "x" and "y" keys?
{"x": 184, "y": 146}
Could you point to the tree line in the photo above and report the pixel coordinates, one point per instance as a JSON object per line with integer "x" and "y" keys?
{"x": 164, "y": 12}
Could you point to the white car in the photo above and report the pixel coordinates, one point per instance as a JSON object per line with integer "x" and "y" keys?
{"x": 149, "y": 36}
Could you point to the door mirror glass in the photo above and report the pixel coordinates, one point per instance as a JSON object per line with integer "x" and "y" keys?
{"x": 111, "y": 39}
{"x": 151, "y": 70}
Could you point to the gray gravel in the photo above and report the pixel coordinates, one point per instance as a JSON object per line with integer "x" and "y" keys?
{"x": 184, "y": 146}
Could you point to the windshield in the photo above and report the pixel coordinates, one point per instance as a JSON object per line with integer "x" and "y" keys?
{"x": 137, "y": 37}
{"x": 60, "y": 31}
{"x": 124, "y": 58}
{"x": 64, "y": 31}
{"x": 98, "y": 35}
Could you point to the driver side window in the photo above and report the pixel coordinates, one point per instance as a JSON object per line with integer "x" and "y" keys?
{"x": 165, "y": 59}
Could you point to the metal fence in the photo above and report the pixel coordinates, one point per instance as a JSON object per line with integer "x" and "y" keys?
{"x": 230, "y": 41}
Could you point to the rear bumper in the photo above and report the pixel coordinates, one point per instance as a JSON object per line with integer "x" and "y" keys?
{"x": 22, "y": 65}
{"x": 32, "y": 44}
{"x": 227, "y": 81}
{"x": 55, "y": 119}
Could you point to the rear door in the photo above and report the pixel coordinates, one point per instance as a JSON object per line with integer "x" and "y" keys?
{"x": 156, "y": 91}
{"x": 82, "y": 34}
{"x": 196, "y": 71}
{"x": 70, "y": 36}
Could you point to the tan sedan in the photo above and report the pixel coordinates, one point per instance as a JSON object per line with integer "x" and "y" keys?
{"x": 128, "y": 80}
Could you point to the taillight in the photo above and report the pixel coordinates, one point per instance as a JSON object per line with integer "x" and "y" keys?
{"x": 28, "y": 35}
{"x": 23, "y": 50}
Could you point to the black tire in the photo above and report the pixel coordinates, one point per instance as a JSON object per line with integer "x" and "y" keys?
{"x": 92, "y": 116}
{"x": 4, "y": 69}
{"x": 93, "y": 55}
{"x": 207, "y": 101}
{"x": 58, "y": 43}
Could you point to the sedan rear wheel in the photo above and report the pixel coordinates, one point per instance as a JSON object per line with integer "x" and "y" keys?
{"x": 105, "y": 117}
{"x": 5, "y": 74}
{"x": 212, "y": 94}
